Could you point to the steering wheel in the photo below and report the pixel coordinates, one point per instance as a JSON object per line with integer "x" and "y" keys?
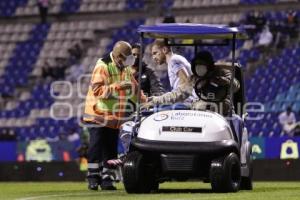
{"x": 209, "y": 91}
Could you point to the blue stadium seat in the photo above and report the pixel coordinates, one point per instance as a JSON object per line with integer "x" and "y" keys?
{"x": 23, "y": 57}
{"x": 167, "y": 4}
{"x": 291, "y": 96}
{"x": 70, "y": 6}
{"x": 134, "y": 5}
{"x": 296, "y": 106}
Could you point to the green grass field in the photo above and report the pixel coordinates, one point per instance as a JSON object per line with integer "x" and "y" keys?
{"x": 168, "y": 191}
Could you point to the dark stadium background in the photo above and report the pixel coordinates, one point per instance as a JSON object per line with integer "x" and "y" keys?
{"x": 40, "y": 111}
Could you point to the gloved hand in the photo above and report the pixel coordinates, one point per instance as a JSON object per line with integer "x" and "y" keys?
{"x": 199, "y": 105}
{"x": 124, "y": 85}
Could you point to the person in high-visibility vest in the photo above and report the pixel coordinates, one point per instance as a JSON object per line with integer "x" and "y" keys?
{"x": 111, "y": 92}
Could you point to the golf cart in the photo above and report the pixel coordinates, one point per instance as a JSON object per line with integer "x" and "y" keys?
{"x": 181, "y": 144}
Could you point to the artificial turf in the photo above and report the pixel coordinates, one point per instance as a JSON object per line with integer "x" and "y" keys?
{"x": 168, "y": 191}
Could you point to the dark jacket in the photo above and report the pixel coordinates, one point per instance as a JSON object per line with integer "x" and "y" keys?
{"x": 150, "y": 83}
{"x": 222, "y": 77}
{"x": 216, "y": 74}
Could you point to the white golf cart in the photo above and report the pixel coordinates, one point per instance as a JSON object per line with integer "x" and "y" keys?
{"x": 181, "y": 144}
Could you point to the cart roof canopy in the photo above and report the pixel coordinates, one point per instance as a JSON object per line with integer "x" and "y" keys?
{"x": 191, "y": 31}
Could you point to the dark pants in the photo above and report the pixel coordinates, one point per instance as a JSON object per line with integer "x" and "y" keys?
{"x": 103, "y": 146}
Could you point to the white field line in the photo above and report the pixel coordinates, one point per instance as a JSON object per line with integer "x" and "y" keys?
{"x": 59, "y": 195}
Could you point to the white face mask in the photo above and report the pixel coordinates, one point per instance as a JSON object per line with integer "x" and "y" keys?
{"x": 201, "y": 70}
{"x": 129, "y": 60}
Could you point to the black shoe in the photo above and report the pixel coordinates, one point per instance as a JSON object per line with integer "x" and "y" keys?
{"x": 93, "y": 183}
{"x": 108, "y": 187}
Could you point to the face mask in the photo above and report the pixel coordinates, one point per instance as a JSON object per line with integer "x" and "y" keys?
{"x": 129, "y": 60}
{"x": 201, "y": 70}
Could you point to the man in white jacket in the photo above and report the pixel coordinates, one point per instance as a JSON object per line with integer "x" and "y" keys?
{"x": 179, "y": 69}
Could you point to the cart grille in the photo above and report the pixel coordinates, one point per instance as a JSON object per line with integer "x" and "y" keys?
{"x": 182, "y": 163}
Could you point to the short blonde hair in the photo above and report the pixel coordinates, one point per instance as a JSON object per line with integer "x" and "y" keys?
{"x": 160, "y": 43}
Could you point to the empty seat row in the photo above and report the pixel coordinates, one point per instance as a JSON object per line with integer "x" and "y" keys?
{"x": 5, "y": 56}
{"x": 7, "y": 47}
{"x": 15, "y": 28}
{"x": 13, "y": 37}
{"x": 17, "y": 122}
{"x": 73, "y": 6}
{"x": 31, "y": 8}
{"x": 70, "y": 35}
{"x": 102, "y": 6}
{"x": 58, "y": 44}
{"x": 154, "y": 20}
{"x": 96, "y": 51}
{"x": 210, "y": 19}
{"x": 80, "y": 25}
{"x": 53, "y": 48}
{"x": 26, "y": 11}
{"x": 54, "y": 54}
{"x": 101, "y": 1}
{"x": 53, "y": 2}
{"x": 202, "y": 3}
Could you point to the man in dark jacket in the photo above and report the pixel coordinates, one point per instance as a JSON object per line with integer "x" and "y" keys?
{"x": 150, "y": 83}
{"x": 217, "y": 74}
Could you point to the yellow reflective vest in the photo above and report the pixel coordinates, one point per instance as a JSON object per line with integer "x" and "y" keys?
{"x": 106, "y": 103}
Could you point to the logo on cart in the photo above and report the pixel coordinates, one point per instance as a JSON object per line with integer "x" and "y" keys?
{"x": 161, "y": 117}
